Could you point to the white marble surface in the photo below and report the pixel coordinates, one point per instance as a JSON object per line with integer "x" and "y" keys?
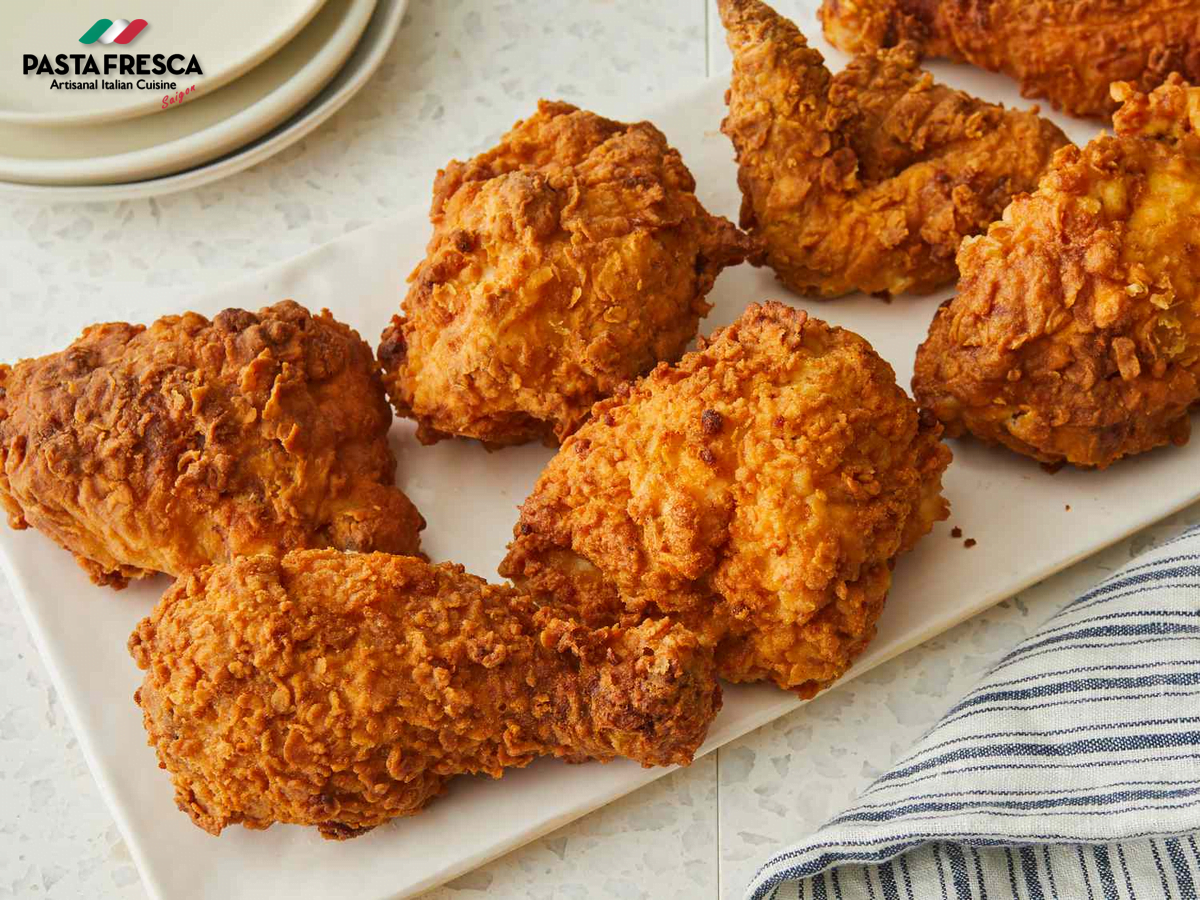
{"x": 460, "y": 73}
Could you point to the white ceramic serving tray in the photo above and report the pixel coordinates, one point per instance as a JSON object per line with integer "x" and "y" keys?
{"x": 1015, "y": 511}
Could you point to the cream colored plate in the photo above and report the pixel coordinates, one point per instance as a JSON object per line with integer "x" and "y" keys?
{"x": 228, "y": 38}
{"x": 363, "y": 62}
{"x": 197, "y": 130}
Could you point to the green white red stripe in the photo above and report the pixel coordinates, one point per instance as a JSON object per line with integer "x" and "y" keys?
{"x": 113, "y": 31}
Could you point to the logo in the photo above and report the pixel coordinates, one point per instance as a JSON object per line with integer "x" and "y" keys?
{"x": 109, "y": 31}
{"x": 99, "y": 72}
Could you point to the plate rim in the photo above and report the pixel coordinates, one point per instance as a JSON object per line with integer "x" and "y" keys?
{"x": 258, "y": 56}
{"x": 377, "y": 38}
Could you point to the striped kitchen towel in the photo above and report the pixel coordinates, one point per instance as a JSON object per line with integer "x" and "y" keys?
{"x": 1071, "y": 771}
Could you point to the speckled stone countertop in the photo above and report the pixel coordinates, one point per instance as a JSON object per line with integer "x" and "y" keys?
{"x": 459, "y": 74}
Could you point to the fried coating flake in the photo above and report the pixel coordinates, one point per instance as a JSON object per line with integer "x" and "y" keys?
{"x": 868, "y": 180}
{"x": 758, "y": 492}
{"x": 342, "y": 689}
{"x": 161, "y": 448}
{"x": 1074, "y": 336}
{"x": 568, "y": 259}
{"x": 1068, "y": 51}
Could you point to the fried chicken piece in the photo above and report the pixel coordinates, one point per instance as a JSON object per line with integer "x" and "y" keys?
{"x": 159, "y": 449}
{"x": 758, "y": 492}
{"x": 565, "y": 261}
{"x": 1075, "y": 334}
{"x": 1067, "y": 51}
{"x": 866, "y": 181}
{"x": 342, "y": 690}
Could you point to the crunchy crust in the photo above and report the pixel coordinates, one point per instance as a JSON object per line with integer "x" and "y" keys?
{"x": 1074, "y": 336}
{"x": 568, "y": 259}
{"x": 867, "y": 180}
{"x": 758, "y": 492}
{"x": 342, "y": 690}
{"x": 1067, "y": 51}
{"x": 159, "y": 449}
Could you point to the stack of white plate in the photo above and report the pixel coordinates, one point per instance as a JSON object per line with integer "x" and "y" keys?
{"x": 272, "y": 72}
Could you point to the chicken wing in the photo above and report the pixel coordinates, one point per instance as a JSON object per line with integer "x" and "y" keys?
{"x": 1067, "y": 51}
{"x": 566, "y": 260}
{"x": 158, "y": 449}
{"x": 868, "y": 180}
{"x": 1075, "y": 335}
{"x": 343, "y": 689}
{"x": 758, "y": 492}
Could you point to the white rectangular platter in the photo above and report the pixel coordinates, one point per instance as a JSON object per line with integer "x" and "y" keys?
{"x": 1017, "y": 513}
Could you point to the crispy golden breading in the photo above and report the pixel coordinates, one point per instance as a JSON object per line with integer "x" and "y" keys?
{"x": 1075, "y": 336}
{"x": 1067, "y": 51}
{"x": 757, "y": 492}
{"x": 568, "y": 259}
{"x": 159, "y": 449}
{"x": 342, "y": 690}
{"x": 868, "y": 180}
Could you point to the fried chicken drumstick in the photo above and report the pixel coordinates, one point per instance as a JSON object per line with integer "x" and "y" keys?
{"x": 568, "y": 259}
{"x": 868, "y": 180}
{"x": 342, "y": 690}
{"x": 757, "y": 492}
{"x": 159, "y": 449}
{"x": 1075, "y": 335}
{"x": 1067, "y": 51}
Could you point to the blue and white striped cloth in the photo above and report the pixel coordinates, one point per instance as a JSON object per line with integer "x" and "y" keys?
{"x": 1071, "y": 771}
